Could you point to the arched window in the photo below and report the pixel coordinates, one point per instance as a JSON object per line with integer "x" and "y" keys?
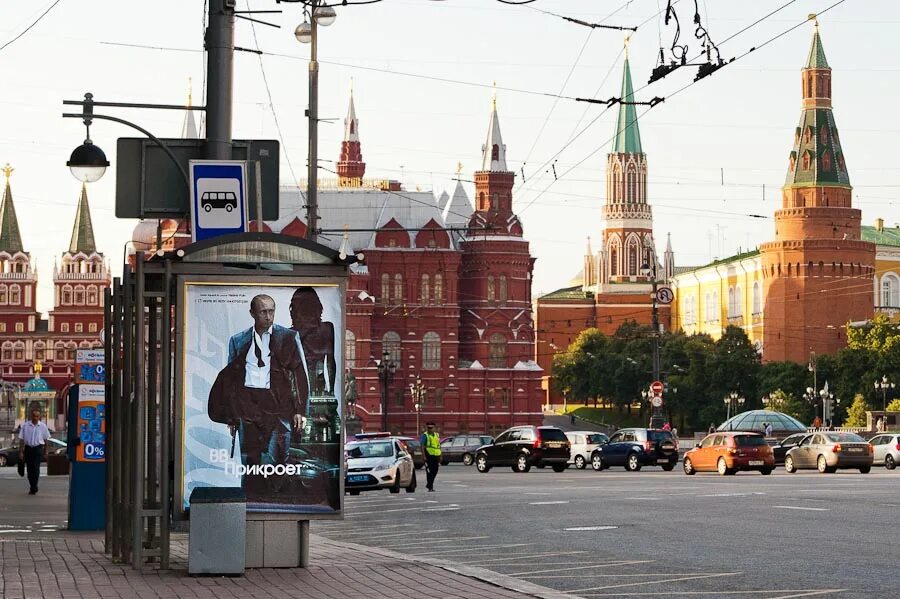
{"x": 631, "y": 184}
{"x": 503, "y": 289}
{"x": 64, "y": 327}
{"x": 390, "y": 343}
{"x": 3, "y": 297}
{"x": 92, "y": 327}
{"x": 349, "y": 349}
{"x": 19, "y": 351}
{"x": 92, "y": 296}
{"x": 438, "y": 289}
{"x": 614, "y": 262}
{"x": 806, "y": 160}
{"x": 398, "y": 288}
{"x": 498, "y": 351}
{"x": 424, "y": 289}
{"x": 491, "y": 291}
{"x": 60, "y": 351}
{"x": 431, "y": 351}
{"x": 79, "y": 296}
{"x": 7, "y": 352}
{"x": 67, "y": 296}
{"x": 732, "y": 310}
{"x": 716, "y": 310}
{"x": 890, "y": 291}
{"x": 385, "y": 288}
{"x": 826, "y": 160}
{"x": 39, "y": 351}
{"x": 70, "y": 350}
{"x": 632, "y": 260}
{"x": 495, "y": 152}
{"x": 757, "y": 299}
{"x": 79, "y": 327}
{"x": 738, "y": 301}
{"x": 15, "y": 295}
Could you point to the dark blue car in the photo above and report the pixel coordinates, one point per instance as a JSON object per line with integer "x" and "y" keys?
{"x": 634, "y": 448}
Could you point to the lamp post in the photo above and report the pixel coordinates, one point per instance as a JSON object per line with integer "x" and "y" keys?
{"x": 884, "y": 384}
{"x": 772, "y": 401}
{"x": 386, "y": 370}
{"x": 648, "y": 269}
{"x": 417, "y": 391}
{"x": 827, "y": 399}
{"x": 732, "y": 401}
{"x": 306, "y": 33}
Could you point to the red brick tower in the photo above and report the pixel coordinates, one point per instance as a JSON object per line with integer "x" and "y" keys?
{"x": 496, "y": 327}
{"x": 79, "y": 282}
{"x": 350, "y": 167}
{"x": 18, "y": 291}
{"x": 818, "y": 271}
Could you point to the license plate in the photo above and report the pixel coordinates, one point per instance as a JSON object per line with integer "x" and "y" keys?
{"x": 662, "y": 461}
{"x": 854, "y": 450}
{"x": 756, "y": 462}
{"x": 554, "y": 444}
{"x": 357, "y": 478}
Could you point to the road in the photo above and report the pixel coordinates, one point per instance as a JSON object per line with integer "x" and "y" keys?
{"x": 651, "y": 533}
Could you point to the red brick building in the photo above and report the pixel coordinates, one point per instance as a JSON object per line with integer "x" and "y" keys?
{"x": 76, "y": 319}
{"x": 818, "y": 271}
{"x": 612, "y": 288}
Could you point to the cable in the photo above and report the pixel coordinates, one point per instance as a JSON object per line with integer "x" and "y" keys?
{"x": 265, "y": 79}
{"x": 27, "y": 29}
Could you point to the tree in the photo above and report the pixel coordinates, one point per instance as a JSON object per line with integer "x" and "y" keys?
{"x": 894, "y": 406}
{"x": 879, "y": 335}
{"x": 790, "y": 404}
{"x": 788, "y": 377}
{"x": 856, "y": 414}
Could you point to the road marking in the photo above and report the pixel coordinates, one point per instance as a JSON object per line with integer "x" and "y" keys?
{"x": 803, "y": 593}
{"x": 529, "y": 556}
{"x": 664, "y": 580}
{"x": 434, "y": 541}
{"x": 528, "y": 573}
{"x": 584, "y": 528}
{"x": 14, "y": 530}
{"x": 797, "y": 507}
{"x": 547, "y": 502}
{"x": 538, "y": 493}
{"x": 377, "y": 535}
{"x": 731, "y": 494}
{"x": 441, "y": 551}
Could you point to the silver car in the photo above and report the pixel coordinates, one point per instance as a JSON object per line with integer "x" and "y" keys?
{"x": 887, "y": 449}
{"x": 582, "y": 444}
{"x": 379, "y": 463}
{"x": 828, "y": 451}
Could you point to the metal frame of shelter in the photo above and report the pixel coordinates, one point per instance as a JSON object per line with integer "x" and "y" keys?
{"x": 142, "y": 393}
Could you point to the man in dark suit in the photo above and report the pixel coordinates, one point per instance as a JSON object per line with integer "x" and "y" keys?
{"x": 261, "y": 393}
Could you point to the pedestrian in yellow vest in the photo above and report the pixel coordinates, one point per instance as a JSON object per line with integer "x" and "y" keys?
{"x": 431, "y": 449}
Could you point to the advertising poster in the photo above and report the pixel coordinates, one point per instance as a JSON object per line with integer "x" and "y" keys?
{"x": 90, "y": 367}
{"x": 261, "y": 393}
{"x": 91, "y": 424}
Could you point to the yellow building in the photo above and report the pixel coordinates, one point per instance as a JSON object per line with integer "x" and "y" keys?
{"x": 730, "y": 291}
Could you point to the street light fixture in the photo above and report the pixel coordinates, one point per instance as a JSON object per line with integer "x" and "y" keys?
{"x": 884, "y": 384}
{"x": 732, "y": 401}
{"x": 386, "y": 370}
{"x": 88, "y": 162}
{"x": 417, "y": 391}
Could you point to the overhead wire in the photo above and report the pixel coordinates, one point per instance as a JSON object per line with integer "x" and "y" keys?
{"x": 31, "y": 26}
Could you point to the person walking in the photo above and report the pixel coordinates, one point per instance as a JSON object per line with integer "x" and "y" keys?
{"x": 768, "y": 429}
{"x": 33, "y": 437}
{"x": 431, "y": 449}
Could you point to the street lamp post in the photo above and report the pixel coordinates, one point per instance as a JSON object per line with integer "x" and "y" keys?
{"x": 732, "y": 401}
{"x": 386, "y": 370}
{"x": 307, "y": 33}
{"x": 417, "y": 391}
{"x": 648, "y": 269}
{"x": 827, "y": 399}
{"x": 884, "y": 384}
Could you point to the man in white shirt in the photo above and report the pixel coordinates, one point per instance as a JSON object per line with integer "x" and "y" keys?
{"x": 33, "y": 435}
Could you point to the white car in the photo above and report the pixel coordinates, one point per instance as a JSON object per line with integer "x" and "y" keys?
{"x": 887, "y": 449}
{"x": 583, "y": 443}
{"x": 375, "y": 463}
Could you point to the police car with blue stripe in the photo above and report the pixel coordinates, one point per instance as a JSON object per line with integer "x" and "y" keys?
{"x": 379, "y": 461}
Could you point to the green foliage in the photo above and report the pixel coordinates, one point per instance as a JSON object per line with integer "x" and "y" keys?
{"x": 787, "y": 377}
{"x": 879, "y": 335}
{"x": 856, "y": 414}
{"x": 790, "y": 404}
{"x": 894, "y": 406}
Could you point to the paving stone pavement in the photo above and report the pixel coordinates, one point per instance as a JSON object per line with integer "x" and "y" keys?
{"x": 72, "y": 565}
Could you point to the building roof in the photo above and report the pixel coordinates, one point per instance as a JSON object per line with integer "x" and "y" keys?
{"x": 83, "y": 230}
{"x": 567, "y": 293}
{"x": 628, "y": 136}
{"x": 881, "y": 236}
{"x": 363, "y": 209}
{"x": 189, "y": 129}
{"x": 10, "y": 237}
{"x": 816, "y": 58}
{"x": 679, "y": 270}
{"x": 491, "y": 160}
{"x": 458, "y": 209}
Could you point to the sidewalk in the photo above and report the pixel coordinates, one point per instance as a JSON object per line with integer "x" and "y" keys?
{"x": 73, "y": 565}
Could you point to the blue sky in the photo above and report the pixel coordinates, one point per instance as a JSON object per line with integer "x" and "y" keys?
{"x": 735, "y": 126}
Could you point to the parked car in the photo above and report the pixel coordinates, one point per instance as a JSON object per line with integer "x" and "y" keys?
{"x": 887, "y": 450}
{"x": 9, "y": 456}
{"x": 415, "y": 449}
{"x": 522, "y": 447}
{"x": 781, "y": 449}
{"x": 582, "y": 443}
{"x": 729, "y": 452}
{"x": 827, "y": 451}
{"x": 635, "y": 448}
{"x": 375, "y": 463}
{"x": 462, "y": 448}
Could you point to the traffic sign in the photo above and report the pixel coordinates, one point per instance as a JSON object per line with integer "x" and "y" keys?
{"x": 656, "y": 401}
{"x": 665, "y": 295}
{"x": 218, "y": 198}
{"x": 657, "y": 388}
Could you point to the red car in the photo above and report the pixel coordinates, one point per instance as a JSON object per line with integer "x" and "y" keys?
{"x": 728, "y": 452}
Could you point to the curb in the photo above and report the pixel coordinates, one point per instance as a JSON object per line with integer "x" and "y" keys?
{"x": 499, "y": 580}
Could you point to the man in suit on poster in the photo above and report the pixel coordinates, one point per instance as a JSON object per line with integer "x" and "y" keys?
{"x": 261, "y": 394}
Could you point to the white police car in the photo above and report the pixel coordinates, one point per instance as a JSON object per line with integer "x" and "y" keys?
{"x": 378, "y": 461}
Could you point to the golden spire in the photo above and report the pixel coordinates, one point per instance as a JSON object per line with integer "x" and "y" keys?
{"x": 8, "y": 171}
{"x": 814, "y": 18}
{"x": 627, "y": 40}
{"x": 459, "y": 169}
{"x": 494, "y": 101}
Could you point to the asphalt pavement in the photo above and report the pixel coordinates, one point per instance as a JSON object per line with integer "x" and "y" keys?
{"x": 650, "y": 533}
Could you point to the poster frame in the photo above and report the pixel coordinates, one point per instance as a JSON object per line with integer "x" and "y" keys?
{"x": 273, "y": 279}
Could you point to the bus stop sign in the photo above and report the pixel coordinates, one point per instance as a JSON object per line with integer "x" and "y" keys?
{"x": 218, "y": 198}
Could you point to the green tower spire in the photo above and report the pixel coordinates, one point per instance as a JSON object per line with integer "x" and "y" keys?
{"x": 10, "y": 238}
{"x": 628, "y": 136}
{"x": 83, "y": 231}
{"x": 816, "y": 59}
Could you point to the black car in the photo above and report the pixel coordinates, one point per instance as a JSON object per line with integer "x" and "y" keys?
{"x": 415, "y": 449}
{"x": 781, "y": 449}
{"x": 522, "y": 447}
{"x": 462, "y": 448}
{"x": 9, "y": 456}
{"x": 635, "y": 448}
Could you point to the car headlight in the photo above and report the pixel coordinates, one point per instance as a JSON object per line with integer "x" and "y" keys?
{"x": 384, "y": 467}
